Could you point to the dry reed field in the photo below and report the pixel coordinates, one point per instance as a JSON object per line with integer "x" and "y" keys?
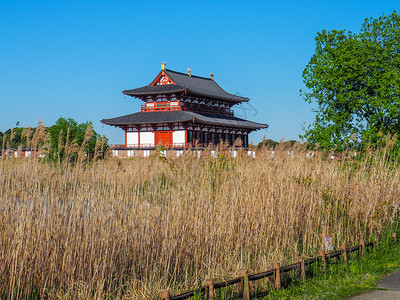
{"x": 129, "y": 228}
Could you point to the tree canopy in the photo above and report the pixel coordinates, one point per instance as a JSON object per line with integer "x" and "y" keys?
{"x": 354, "y": 79}
{"x": 271, "y": 144}
{"x": 66, "y": 139}
{"x": 69, "y": 139}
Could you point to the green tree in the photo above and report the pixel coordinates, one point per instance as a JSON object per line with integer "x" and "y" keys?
{"x": 354, "y": 80}
{"x": 267, "y": 143}
{"x": 14, "y": 137}
{"x": 68, "y": 139}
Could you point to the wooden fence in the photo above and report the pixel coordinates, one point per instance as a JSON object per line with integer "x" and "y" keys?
{"x": 276, "y": 272}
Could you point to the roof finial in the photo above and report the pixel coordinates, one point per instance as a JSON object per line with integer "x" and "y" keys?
{"x": 163, "y": 66}
{"x": 189, "y": 72}
{"x": 212, "y": 76}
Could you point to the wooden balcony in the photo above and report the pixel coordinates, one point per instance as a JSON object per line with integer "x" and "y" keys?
{"x": 160, "y": 107}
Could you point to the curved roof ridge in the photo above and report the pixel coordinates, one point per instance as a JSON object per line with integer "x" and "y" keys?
{"x": 196, "y": 85}
{"x": 195, "y": 76}
{"x": 202, "y": 86}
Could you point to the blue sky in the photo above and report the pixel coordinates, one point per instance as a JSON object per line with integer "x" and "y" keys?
{"x": 73, "y": 58}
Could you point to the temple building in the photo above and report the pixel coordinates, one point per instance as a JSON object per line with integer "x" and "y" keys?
{"x": 180, "y": 111}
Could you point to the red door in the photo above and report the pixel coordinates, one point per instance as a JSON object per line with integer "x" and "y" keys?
{"x": 163, "y": 137}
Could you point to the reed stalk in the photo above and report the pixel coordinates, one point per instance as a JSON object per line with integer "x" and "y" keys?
{"x": 129, "y": 228}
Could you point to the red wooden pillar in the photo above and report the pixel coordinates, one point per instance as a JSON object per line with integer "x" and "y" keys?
{"x": 126, "y": 138}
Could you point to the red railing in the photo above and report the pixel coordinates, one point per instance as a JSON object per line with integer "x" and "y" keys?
{"x": 144, "y": 145}
{"x": 145, "y": 108}
{"x": 174, "y": 107}
{"x": 117, "y": 145}
{"x": 172, "y": 145}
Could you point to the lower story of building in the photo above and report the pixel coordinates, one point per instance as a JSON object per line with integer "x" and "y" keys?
{"x": 183, "y": 129}
{"x": 184, "y": 138}
{"x": 173, "y": 153}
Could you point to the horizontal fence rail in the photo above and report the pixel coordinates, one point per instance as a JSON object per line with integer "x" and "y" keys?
{"x": 210, "y": 287}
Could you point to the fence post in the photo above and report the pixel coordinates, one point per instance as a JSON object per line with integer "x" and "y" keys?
{"x": 302, "y": 268}
{"x": 165, "y": 295}
{"x": 344, "y": 253}
{"x": 362, "y": 248}
{"x": 277, "y": 270}
{"x": 245, "y": 285}
{"x": 210, "y": 288}
{"x": 323, "y": 258}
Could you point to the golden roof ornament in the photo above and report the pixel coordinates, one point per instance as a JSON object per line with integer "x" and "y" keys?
{"x": 163, "y": 66}
{"x": 189, "y": 72}
{"x": 212, "y": 76}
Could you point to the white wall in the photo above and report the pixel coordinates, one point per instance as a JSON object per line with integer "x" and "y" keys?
{"x": 132, "y": 138}
{"x": 178, "y": 137}
{"x": 147, "y": 139}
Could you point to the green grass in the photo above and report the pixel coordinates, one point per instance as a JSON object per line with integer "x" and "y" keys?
{"x": 340, "y": 281}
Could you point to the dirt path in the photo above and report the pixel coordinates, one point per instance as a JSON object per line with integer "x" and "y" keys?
{"x": 391, "y": 286}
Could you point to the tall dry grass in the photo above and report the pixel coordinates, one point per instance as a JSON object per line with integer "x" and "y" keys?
{"x": 130, "y": 228}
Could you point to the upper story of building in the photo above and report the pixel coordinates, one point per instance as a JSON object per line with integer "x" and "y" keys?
{"x": 174, "y": 91}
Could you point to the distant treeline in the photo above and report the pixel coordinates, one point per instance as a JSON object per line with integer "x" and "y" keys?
{"x": 268, "y": 143}
{"x": 17, "y": 139}
{"x": 66, "y": 138}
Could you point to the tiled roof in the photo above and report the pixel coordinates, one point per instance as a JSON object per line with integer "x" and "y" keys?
{"x": 181, "y": 116}
{"x": 195, "y": 85}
